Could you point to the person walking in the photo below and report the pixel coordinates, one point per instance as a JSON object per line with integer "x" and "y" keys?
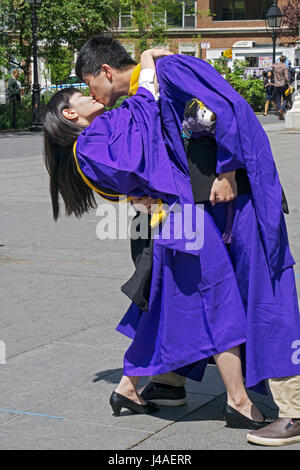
{"x": 14, "y": 94}
{"x": 282, "y": 82}
{"x": 270, "y": 91}
{"x": 14, "y": 87}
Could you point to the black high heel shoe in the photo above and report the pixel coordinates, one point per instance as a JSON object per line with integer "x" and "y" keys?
{"x": 117, "y": 402}
{"x": 235, "y": 419}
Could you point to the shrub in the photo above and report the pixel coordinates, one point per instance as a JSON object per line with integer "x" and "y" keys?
{"x": 23, "y": 115}
{"x": 252, "y": 90}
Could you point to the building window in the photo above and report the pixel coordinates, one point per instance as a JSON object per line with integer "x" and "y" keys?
{"x": 188, "y": 49}
{"x": 182, "y": 15}
{"x": 265, "y": 5}
{"x": 125, "y": 18}
{"x": 189, "y": 14}
{"x": 228, "y": 10}
{"x": 252, "y": 61}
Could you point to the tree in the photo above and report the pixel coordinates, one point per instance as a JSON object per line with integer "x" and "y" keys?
{"x": 15, "y": 38}
{"x": 59, "y": 64}
{"x": 291, "y": 19}
{"x": 149, "y": 18}
{"x": 60, "y": 23}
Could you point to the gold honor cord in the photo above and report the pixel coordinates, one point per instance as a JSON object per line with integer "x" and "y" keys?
{"x": 200, "y": 104}
{"x": 159, "y": 213}
{"x": 98, "y": 191}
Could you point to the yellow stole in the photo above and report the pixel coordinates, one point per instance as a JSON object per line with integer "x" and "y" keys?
{"x": 159, "y": 214}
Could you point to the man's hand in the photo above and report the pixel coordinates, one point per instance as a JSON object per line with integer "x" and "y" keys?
{"x": 224, "y": 188}
{"x": 143, "y": 204}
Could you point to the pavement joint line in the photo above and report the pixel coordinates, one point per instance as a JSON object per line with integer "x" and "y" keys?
{"x": 83, "y": 421}
{"x": 30, "y": 413}
{"x": 67, "y": 420}
{"x": 177, "y": 421}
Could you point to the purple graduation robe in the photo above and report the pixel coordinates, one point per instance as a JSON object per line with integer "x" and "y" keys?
{"x": 198, "y": 304}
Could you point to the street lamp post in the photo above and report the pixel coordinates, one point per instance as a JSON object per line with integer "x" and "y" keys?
{"x": 36, "y": 125}
{"x": 274, "y": 19}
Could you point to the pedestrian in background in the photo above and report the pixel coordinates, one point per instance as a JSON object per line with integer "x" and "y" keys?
{"x": 14, "y": 95}
{"x": 269, "y": 84}
{"x": 282, "y": 83}
{"x": 14, "y": 87}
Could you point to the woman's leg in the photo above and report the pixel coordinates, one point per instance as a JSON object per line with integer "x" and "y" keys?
{"x": 230, "y": 368}
{"x": 267, "y": 107}
{"x": 128, "y": 388}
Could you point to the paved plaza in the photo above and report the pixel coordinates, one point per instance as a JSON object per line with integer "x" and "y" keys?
{"x": 60, "y": 302}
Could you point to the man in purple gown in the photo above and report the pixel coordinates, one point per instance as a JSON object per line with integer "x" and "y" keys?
{"x": 259, "y": 250}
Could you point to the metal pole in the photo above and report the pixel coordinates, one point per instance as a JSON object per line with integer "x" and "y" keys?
{"x": 37, "y": 126}
{"x": 14, "y": 123}
{"x": 274, "y": 46}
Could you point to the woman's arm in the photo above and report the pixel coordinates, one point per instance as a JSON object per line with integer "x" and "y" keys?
{"x": 147, "y": 80}
{"x": 147, "y": 57}
{"x": 147, "y": 77}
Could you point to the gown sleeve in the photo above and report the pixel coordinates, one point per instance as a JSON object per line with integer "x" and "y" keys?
{"x": 183, "y": 78}
{"x": 123, "y": 150}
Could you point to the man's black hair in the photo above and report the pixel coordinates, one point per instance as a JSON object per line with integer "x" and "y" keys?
{"x": 101, "y": 50}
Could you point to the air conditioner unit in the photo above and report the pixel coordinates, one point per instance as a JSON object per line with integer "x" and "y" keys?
{"x": 244, "y": 44}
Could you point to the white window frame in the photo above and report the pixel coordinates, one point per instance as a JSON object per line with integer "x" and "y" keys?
{"x": 194, "y": 15}
{"x": 125, "y": 16}
{"x": 188, "y": 47}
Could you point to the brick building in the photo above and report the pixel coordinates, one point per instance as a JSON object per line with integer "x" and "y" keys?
{"x": 225, "y": 24}
{"x": 230, "y": 24}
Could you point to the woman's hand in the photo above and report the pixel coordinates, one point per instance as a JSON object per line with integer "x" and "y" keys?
{"x": 157, "y": 52}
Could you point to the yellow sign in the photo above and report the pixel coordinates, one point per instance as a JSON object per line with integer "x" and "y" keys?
{"x": 228, "y": 53}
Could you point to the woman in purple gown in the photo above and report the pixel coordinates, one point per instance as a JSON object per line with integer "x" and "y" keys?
{"x": 197, "y": 308}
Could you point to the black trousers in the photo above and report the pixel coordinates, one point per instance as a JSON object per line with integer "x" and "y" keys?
{"x": 280, "y": 93}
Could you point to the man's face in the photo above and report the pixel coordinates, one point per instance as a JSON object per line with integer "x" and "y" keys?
{"x": 102, "y": 86}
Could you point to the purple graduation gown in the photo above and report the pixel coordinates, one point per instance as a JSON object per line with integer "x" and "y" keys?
{"x": 207, "y": 301}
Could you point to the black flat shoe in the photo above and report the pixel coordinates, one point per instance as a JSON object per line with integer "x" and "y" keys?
{"x": 235, "y": 419}
{"x": 117, "y": 402}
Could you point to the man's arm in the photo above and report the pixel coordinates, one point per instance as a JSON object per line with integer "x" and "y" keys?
{"x": 286, "y": 76}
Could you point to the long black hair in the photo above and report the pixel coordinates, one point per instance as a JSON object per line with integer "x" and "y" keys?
{"x": 60, "y": 135}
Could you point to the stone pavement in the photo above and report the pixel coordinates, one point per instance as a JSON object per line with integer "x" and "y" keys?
{"x": 60, "y": 301}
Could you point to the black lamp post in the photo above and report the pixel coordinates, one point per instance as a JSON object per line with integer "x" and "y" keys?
{"x": 274, "y": 19}
{"x": 36, "y": 125}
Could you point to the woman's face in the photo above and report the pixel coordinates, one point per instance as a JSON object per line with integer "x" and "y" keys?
{"x": 269, "y": 75}
{"x": 83, "y": 109}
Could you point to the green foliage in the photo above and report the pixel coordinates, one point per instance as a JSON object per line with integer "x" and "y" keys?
{"x": 221, "y": 65}
{"x": 148, "y": 19}
{"x": 23, "y": 112}
{"x": 59, "y": 64}
{"x": 251, "y": 89}
{"x": 60, "y": 22}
